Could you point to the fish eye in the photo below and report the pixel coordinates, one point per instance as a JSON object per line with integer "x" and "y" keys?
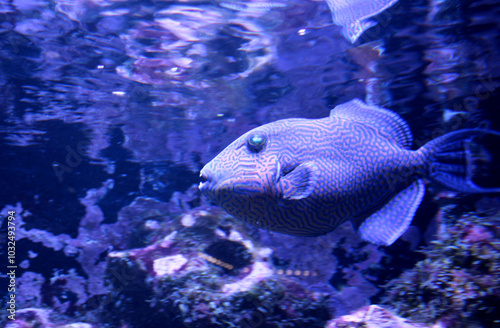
{"x": 256, "y": 142}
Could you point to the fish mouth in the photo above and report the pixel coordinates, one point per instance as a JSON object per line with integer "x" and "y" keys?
{"x": 210, "y": 182}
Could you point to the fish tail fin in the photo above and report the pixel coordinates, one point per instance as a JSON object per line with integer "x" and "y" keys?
{"x": 459, "y": 162}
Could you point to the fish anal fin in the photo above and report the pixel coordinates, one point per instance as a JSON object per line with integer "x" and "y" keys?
{"x": 300, "y": 182}
{"x": 386, "y": 225}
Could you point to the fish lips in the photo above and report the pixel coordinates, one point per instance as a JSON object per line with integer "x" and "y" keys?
{"x": 207, "y": 184}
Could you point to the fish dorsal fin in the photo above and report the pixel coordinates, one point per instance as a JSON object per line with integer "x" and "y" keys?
{"x": 388, "y": 123}
{"x": 300, "y": 182}
{"x": 391, "y": 221}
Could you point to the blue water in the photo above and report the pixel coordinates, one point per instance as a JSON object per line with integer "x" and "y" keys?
{"x": 109, "y": 109}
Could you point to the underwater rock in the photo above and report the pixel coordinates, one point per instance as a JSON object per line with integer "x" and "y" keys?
{"x": 168, "y": 265}
{"x": 373, "y": 316}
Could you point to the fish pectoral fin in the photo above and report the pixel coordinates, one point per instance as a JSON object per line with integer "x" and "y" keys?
{"x": 300, "y": 182}
{"x": 387, "y": 224}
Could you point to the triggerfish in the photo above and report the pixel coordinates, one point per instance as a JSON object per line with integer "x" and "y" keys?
{"x": 305, "y": 177}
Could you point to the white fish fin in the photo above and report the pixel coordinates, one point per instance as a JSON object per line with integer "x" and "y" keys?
{"x": 300, "y": 182}
{"x": 354, "y": 16}
{"x": 388, "y": 123}
{"x": 391, "y": 221}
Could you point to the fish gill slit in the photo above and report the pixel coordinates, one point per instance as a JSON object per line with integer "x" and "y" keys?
{"x": 289, "y": 169}
{"x": 278, "y": 172}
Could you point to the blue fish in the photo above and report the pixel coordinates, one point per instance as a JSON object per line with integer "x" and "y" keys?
{"x": 305, "y": 177}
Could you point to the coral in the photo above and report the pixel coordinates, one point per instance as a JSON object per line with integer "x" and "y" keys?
{"x": 206, "y": 275}
{"x": 30, "y": 289}
{"x": 80, "y": 275}
{"x": 31, "y": 317}
{"x": 41, "y": 318}
{"x": 351, "y": 271}
{"x": 74, "y": 277}
{"x": 459, "y": 281}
